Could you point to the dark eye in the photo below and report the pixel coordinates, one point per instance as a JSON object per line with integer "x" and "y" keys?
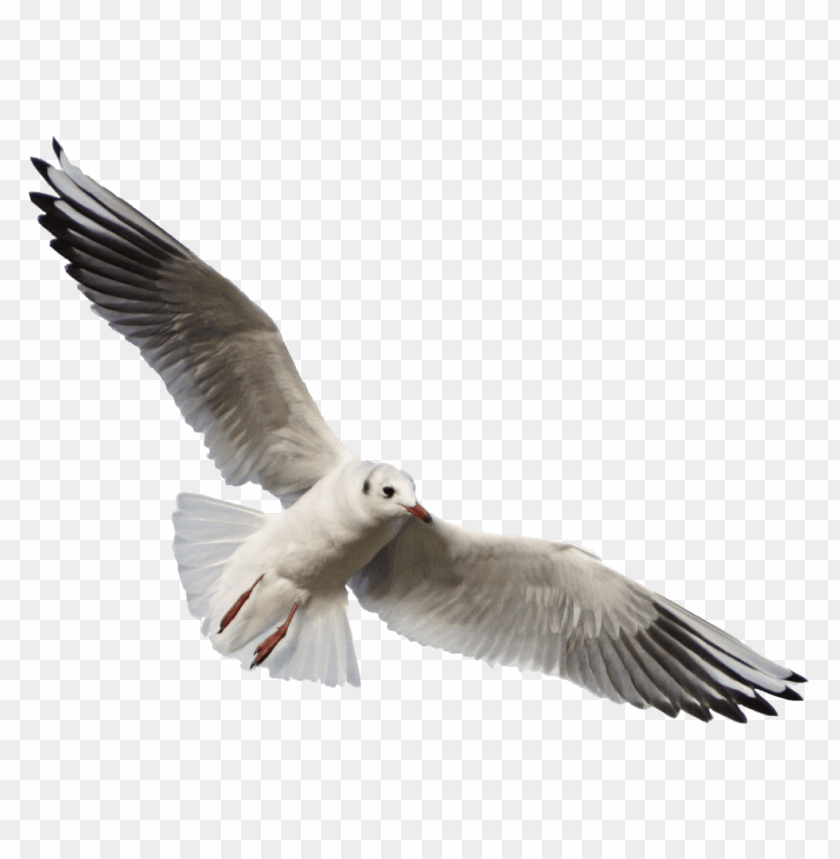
{"x": 388, "y": 490}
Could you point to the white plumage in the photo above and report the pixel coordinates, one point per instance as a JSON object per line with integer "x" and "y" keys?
{"x": 271, "y": 589}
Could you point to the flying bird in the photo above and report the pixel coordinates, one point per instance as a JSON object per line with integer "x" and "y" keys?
{"x": 272, "y": 589}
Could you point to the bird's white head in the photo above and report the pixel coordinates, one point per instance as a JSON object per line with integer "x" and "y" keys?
{"x": 390, "y": 493}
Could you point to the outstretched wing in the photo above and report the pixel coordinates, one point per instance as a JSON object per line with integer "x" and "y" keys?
{"x": 220, "y": 356}
{"x": 555, "y": 608}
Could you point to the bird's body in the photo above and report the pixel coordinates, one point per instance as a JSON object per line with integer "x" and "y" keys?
{"x": 247, "y": 571}
{"x": 272, "y": 589}
{"x": 322, "y": 540}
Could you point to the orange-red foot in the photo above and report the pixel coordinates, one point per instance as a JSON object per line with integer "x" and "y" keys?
{"x": 234, "y": 610}
{"x": 265, "y": 647}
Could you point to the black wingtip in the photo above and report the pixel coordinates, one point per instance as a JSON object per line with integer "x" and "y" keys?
{"x": 756, "y": 703}
{"x": 789, "y": 694}
{"x": 63, "y": 249}
{"x": 796, "y": 678}
{"x": 41, "y": 166}
{"x": 669, "y": 709}
{"x": 728, "y": 709}
{"x": 697, "y": 710}
{"x": 43, "y": 201}
{"x": 48, "y": 222}
{"x": 57, "y": 148}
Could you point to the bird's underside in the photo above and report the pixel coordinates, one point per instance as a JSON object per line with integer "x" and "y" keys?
{"x": 531, "y": 604}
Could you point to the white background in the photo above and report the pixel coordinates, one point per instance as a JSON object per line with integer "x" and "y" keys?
{"x": 573, "y": 271}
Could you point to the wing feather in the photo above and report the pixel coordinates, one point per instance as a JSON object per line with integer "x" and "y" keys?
{"x": 557, "y": 609}
{"x": 219, "y": 355}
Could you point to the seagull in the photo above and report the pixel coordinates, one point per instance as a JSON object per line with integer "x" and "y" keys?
{"x": 272, "y": 589}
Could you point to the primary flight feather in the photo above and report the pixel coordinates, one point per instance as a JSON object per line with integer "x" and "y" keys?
{"x": 272, "y": 589}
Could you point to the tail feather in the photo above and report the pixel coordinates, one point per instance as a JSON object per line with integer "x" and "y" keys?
{"x": 322, "y": 649}
{"x": 207, "y": 533}
{"x": 202, "y": 555}
{"x": 200, "y": 587}
{"x": 200, "y": 508}
{"x": 319, "y": 643}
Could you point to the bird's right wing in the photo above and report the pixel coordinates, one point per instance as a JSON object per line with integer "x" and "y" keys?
{"x": 554, "y": 608}
{"x": 219, "y": 354}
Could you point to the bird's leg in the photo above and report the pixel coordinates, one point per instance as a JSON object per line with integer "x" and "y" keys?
{"x": 234, "y": 609}
{"x": 265, "y": 647}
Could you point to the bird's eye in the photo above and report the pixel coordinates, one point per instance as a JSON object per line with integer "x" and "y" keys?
{"x": 388, "y": 490}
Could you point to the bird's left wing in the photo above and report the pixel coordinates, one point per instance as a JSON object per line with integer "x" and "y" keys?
{"x": 219, "y": 354}
{"x": 554, "y": 608}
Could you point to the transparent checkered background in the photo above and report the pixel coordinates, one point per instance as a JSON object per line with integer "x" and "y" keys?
{"x": 577, "y": 274}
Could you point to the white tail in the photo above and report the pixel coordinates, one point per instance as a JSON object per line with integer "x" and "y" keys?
{"x": 207, "y": 533}
{"x": 319, "y": 643}
{"x": 318, "y": 646}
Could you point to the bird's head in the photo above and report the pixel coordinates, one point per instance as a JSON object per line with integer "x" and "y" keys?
{"x": 390, "y": 494}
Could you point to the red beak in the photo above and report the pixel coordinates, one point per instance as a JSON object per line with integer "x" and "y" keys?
{"x": 420, "y": 513}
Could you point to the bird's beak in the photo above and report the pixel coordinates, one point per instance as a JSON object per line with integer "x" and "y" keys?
{"x": 420, "y": 513}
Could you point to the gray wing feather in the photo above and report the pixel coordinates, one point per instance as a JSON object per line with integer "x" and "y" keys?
{"x": 219, "y": 354}
{"x": 554, "y": 608}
